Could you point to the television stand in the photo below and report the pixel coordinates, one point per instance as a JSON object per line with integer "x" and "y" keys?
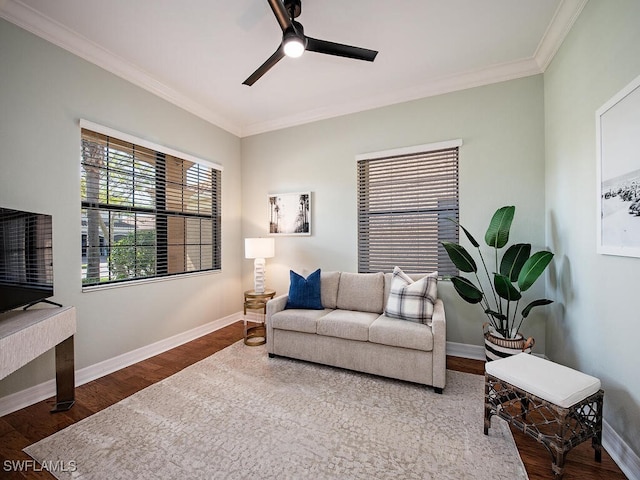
{"x": 27, "y": 334}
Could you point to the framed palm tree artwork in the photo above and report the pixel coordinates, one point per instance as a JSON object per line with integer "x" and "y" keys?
{"x": 290, "y": 213}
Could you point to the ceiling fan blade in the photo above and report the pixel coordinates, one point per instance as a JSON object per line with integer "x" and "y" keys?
{"x": 265, "y": 67}
{"x": 331, "y": 48}
{"x": 281, "y": 14}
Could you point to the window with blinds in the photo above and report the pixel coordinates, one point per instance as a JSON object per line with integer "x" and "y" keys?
{"x": 406, "y": 201}
{"x": 147, "y": 211}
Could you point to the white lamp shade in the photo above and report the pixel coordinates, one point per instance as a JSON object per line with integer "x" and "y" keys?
{"x": 259, "y": 247}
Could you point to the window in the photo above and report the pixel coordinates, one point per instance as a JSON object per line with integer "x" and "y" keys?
{"x": 405, "y": 200}
{"x": 147, "y": 211}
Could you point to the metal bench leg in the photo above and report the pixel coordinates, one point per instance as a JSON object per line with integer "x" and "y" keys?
{"x": 597, "y": 447}
{"x": 487, "y": 406}
{"x": 558, "y": 464}
{"x": 596, "y": 441}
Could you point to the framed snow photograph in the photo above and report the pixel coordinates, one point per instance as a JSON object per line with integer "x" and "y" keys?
{"x": 290, "y": 213}
{"x": 618, "y": 173}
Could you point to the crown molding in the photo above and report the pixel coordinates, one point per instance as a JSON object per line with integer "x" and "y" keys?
{"x": 560, "y": 25}
{"x": 564, "y": 18}
{"x": 29, "y": 19}
{"x": 433, "y": 87}
{"x": 44, "y": 27}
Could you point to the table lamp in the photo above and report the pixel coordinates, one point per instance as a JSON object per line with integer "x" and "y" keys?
{"x": 259, "y": 249}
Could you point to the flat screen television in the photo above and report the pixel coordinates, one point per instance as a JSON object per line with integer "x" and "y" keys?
{"x": 26, "y": 258}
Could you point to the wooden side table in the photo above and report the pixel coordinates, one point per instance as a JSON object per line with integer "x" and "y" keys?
{"x": 256, "y": 335}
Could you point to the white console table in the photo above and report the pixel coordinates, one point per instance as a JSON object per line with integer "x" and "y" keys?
{"x": 27, "y": 334}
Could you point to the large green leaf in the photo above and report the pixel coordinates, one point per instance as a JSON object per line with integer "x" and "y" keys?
{"x": 533, "y": 268}
{"x": 513, "y": 260}
{"x": 505, "y": 289}
{"x": 460, "y": 257}
{"x": 466, "y": 289}
{"x": 535, "y": 303}
{"x": 470, "y": 237}
{"x": 496, "y": 315}
{"x": 466, "y": 232}
{"x": 498, "y": 232}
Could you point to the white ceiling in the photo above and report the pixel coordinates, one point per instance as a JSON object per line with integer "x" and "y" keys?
{"x": 197, "y": 53}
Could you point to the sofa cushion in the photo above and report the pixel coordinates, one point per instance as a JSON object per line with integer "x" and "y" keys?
{"x": 362, "y": 292}
{"x": 346, "y": 324}
{"x": 297, "y": 320}
{"x": 409, "y": 300}
{"x": 329, "y": 282}
{"x": 304, "y": 292}
{"x": 398, "y": 333}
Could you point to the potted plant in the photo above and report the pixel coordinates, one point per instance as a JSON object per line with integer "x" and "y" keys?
{"x": 512, "y": 275}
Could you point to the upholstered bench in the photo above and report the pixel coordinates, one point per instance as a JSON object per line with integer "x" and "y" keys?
{"x": 556, "y": 405}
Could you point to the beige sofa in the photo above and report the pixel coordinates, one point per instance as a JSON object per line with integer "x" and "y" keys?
{"x": 352, "y": 332}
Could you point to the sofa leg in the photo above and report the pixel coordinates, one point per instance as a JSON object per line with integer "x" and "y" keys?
{"x": 272, "y": 355}
{"x": 438, "y": 390}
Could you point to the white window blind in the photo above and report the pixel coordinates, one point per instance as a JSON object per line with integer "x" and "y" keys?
{"x": 405, "y": 200}
{"x": 147, "y": 211}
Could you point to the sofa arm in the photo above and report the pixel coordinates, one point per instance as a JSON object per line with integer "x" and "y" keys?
{"x": 439, "y": 329}
{"x": 274, "y": 306}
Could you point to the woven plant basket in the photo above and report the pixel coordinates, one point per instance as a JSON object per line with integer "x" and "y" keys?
{"x": 497, "y": 347}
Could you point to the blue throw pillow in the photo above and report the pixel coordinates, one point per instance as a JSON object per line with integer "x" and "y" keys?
{"x": 304, "y": 292}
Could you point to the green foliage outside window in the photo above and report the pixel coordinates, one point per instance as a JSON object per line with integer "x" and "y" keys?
{"x": 134, "y": 256}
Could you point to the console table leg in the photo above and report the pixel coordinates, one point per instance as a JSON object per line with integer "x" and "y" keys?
{"x": 65, "y": 376}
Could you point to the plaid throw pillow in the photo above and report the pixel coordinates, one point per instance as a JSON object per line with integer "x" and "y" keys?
{"x": 412, "y": 301}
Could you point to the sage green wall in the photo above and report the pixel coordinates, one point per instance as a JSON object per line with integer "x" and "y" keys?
{"x": 44, "y": 90}
{"x": 501, "y": 162}
{"x": 593, "y": 325}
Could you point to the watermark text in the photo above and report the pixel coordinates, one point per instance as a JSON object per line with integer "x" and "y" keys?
{"x": 33, "y": 466}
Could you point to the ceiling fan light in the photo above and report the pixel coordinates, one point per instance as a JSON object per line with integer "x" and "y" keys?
{"x": 293, "y": 47}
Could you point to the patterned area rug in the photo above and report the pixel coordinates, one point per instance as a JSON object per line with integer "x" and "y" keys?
{"x": 241, "y": 415}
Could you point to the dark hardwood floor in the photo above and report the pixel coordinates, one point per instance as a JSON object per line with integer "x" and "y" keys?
{"x": 26, "y": 426}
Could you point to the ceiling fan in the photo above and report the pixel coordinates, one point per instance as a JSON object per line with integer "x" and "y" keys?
{"x": 295, "y": 42}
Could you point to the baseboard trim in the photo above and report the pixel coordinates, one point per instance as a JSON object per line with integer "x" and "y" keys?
{"x": 620, "y": 452}
{"x": 475, "y": 352}
{"x": 47, "y": 389}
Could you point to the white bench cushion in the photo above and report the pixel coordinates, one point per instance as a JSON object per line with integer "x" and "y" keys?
{"x": 550, "y": 381}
